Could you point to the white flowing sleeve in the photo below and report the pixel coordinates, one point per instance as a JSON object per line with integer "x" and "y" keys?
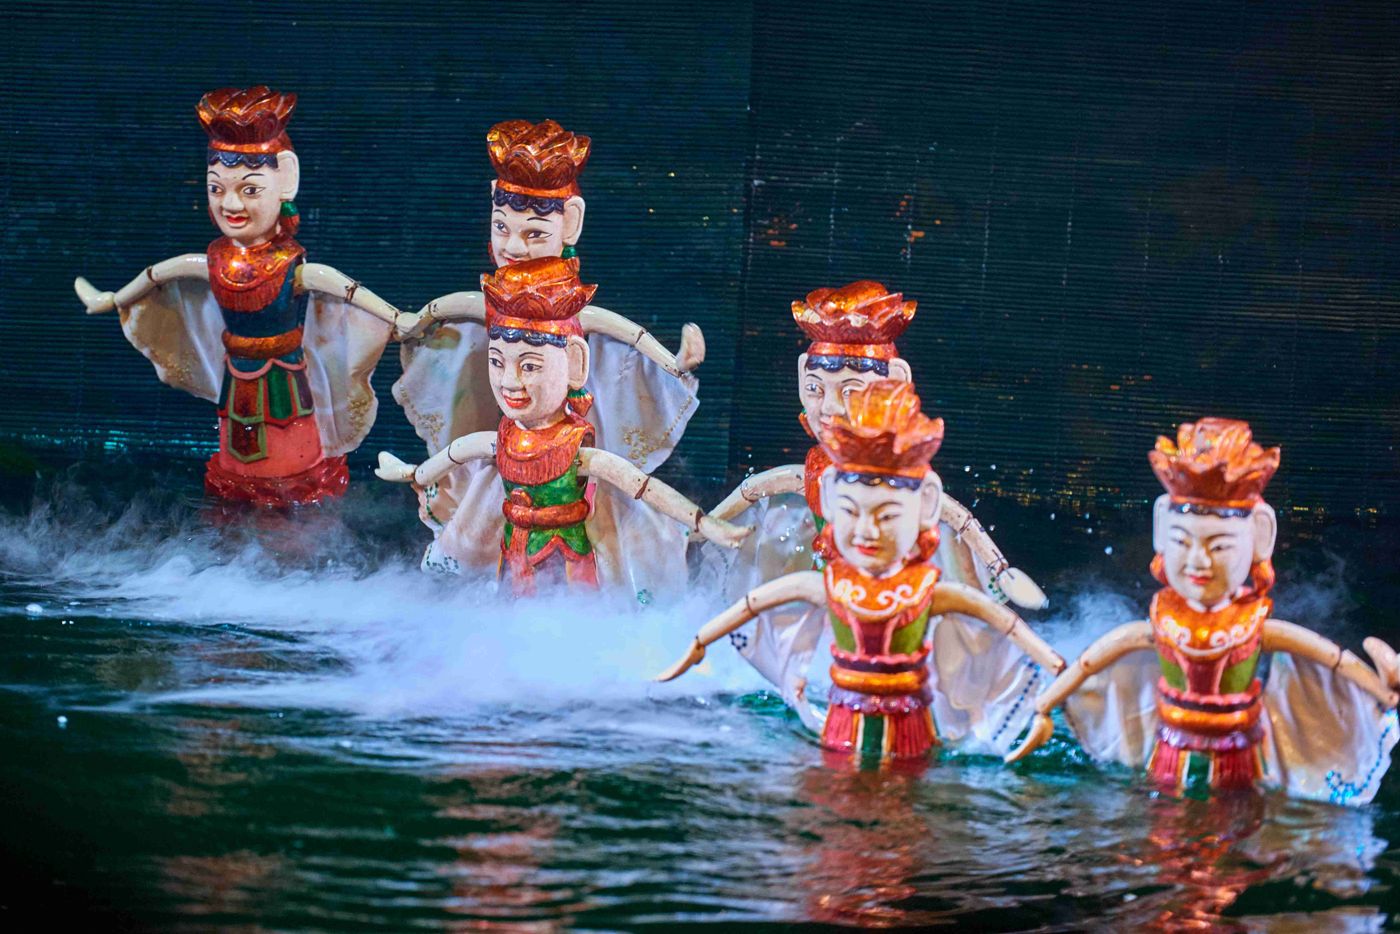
{"x": 984, "y": 687}
{"x": 1114, "y": 713}
{"x": 179, "y": 328}
{"x": 1328, "y": 740}
{"x": 639, "y": 409}
{"x": 343, "y": 345}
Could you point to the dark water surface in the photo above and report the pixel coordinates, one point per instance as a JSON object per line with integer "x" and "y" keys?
{"x": 222, "y": 722}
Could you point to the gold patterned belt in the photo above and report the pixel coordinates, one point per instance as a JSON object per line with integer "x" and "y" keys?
{"x": 879, "y": 682}
{"x": 263, "y": 348}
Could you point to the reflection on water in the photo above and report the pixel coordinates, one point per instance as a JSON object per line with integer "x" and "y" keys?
{"x": 274, "y": 724}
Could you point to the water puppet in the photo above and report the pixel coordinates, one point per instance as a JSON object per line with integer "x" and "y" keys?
{"x": 629, "y": 530}
{"x": 644, "y": 396}
{"x": 285, "y": 347}
{"x": 852, "y": 331}
{"x": 916, "y": 661}
{"x": 1181, "y": 694}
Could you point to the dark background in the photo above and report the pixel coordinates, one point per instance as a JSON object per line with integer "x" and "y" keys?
{"x": 1114, "y": 216}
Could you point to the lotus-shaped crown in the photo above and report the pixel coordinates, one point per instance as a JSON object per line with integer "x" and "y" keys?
{"x": 883, "y": 432}
{"x": 1214, "y": 462}
{"x": 539, "y": 294}
{"x": 863, "y": 313}
{"x": 538, "y": 159}
{"x": 246, "y": 120}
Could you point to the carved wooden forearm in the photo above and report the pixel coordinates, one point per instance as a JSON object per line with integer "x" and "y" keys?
{"x": 478, "y": 445}
{"x": 959, "y": 598}
{"x": 608, "y": 467}
{"x": 1015, "y": 583}
{"x": 318, "y": 277}
{"x": 786, "y": 479}
{"x": 597, "y": 320}
{"x": 1281, "y": 636}
{"x": 1107, "y": 649}
{"x": 184, "y": 266}
{"x": 802, "y": 585}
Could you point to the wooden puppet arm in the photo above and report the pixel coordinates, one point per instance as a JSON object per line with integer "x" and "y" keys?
{"x": 1281, "y": 636}
{"x": 478, "y": 445}
{"x": 960, "y": 598}
{"x": 1107, "y": 649}
{"x": 786, "y": 479}
{"x": 455, "y": 306}
{"x": 184, "y": 266}
{"x": 603, "y": 465}
{"x": 1015, "y": 583}
{"x": 801, "y": 585}
{"x": 610, "y": 324}
{"x": 318, "y": 277}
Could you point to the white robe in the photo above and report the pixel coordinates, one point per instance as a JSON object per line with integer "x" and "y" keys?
{"x": 983, "y": 686}
{"x": 639, "y": 412}
{"x": 178, "y": 327}
{"x": 1325, "y": 739}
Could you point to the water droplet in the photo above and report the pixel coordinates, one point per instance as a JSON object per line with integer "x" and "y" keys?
{"x": 62, "y": 722}
{"x": 967, "y": 468}
{"x": 1090, "y": 530}
{"x": 994, "y": 466}
{"x": 1108, "y": 549}
{"x": 1052, "y": 517}
{"x": 33, "y": 609}
{"x": 644, "y": 597}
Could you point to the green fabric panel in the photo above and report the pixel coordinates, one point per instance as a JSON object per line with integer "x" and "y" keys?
{"x": 1172, "y": 672}
{"x": 845, "y": 639}
{"x": 872, "y": 740}
{"x": 909, "y": 639}
{"x": 279, "y": 393}
{"x": 1237, "y": 678}
{"x": 560, "y": 491}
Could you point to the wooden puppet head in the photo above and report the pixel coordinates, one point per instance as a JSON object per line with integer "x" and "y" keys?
{"x": 253, "y": 174}
{"x": 536, "y": 208}
{"x": 537, "y": 352}
{"x": 1212, "y": 531}
{"x": 852, "y": 332}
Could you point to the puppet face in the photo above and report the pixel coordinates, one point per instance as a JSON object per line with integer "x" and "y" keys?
{"x": 824, "y": 392}
{"x": 245, "y": 202}
{"x": 1207, "y": 558}
{"x": 875, "y": 526}
{"x": 531, "y": 383}
{"x": 520, "y": 235}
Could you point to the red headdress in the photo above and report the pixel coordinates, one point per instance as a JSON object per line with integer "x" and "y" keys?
{"x": 1214, "y": 464}
{"x": 540, "y": 295}
{"x": 541, "y": 160}
{"x": 857, "y": 320}
{"x": 883, "y": 433}
{"x": 246, "y": 121}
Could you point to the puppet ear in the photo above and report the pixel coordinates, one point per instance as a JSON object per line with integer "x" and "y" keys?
{"x": 930, "y": 500}
{"x": 1159, "y": 523}
{"x": 900, "y": 370}
{"x": 573, "y": 220}
{"x": 577, "y": 352}
{"x": 826, "y": 490}
{"x": 1265, "y": 522}
{"x": 801, "y": 367}
{"x": 288, "y": 175}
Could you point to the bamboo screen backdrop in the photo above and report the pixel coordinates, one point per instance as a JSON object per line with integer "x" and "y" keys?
{"x": 1113, "y": 216}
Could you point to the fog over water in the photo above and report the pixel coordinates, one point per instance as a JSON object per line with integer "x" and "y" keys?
{"x": 271, "y": 695}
